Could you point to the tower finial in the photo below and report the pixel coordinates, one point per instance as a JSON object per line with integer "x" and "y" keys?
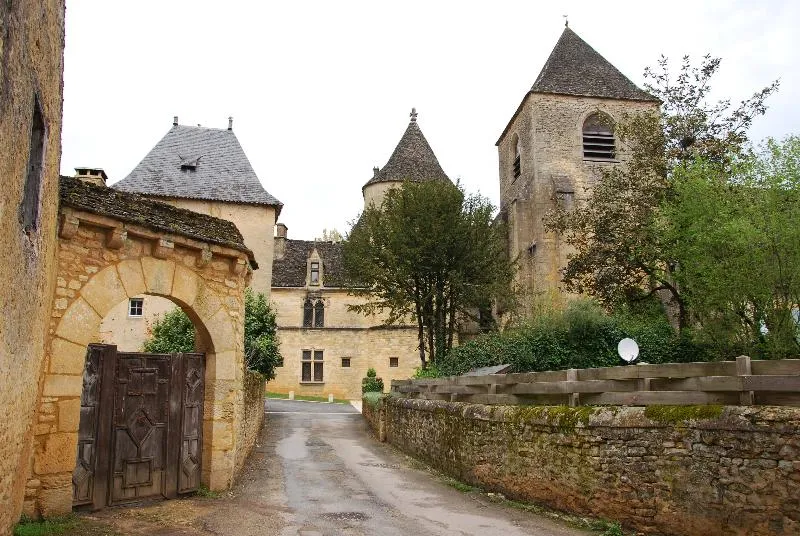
{"x": 566, "y": 21}
{"x": 413, "y": 115}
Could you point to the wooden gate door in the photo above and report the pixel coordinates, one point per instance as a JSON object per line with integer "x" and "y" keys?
{"x": 140, "y": 434}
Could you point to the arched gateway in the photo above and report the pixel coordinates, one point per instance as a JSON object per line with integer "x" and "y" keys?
{"x": 113, "y": 246}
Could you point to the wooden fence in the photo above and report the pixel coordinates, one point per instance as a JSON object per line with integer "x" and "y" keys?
{"x": 740, "y": 382}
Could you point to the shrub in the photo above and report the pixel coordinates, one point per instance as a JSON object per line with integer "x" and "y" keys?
{"x": 582, "y": 336}
{"x": 372, "y": 384}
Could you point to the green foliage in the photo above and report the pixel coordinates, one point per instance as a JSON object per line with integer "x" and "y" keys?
{"x": 204, "y": 492}
{"x": 622, "y": 254}
{"x": 373, "y": 398}
{"x": 429, "y": 253}
{"x": 608, "y": 528}
{"x": 582, "y": 336}
{"x": 372, "y": 384}
{"x": 172, "y": 333}
{"x": 675, "y": 414}
{"x": 46, "y": 527}
{"x": 176, "y": 333}
{"x": 261, "y": 347}
{"x": 431, "y": 371}
{"x": 736, "y": 235}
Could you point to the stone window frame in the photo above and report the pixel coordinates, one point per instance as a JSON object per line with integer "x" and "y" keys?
{"x": 30, "y": 207}
{"x": 394, "y": 362}
{"x": 135, "y": 305}
{"x": 314, "y": 313}
{"x": 516, "y": 157}
{"x": 582, "y": 136}
{"x": 315, "y": 359}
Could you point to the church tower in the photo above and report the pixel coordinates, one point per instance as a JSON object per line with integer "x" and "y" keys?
{"x": 554, "y": 149}
{"x": 412, "y": 160}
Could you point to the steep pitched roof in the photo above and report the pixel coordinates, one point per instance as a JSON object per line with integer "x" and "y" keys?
{"x": 412, "y": 159}
{"x": 159, "y": 217}
{"x": 575, "y": 68}
{"x": 198, "y": 163}
{"x": 290, "y": 270}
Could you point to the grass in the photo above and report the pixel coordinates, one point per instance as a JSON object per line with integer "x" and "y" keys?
{"x": 70, "y": 525}
{"x": 206, "y": 493}
{"x": 284, "y": 396}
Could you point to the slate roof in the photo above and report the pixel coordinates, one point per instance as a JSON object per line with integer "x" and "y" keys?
{"x": 198, "y": 163}
{"x": 412, "y": 159}
{"x": 575, "y": 68}
{"x": 153, "y": 215}
{"x": 290, "y": 271}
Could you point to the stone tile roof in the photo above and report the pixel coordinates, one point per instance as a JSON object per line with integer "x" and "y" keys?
{"x": 198, "y": 163}
{"x": 153, "y": 215}
{"x": 412, "y": 159}
{"x": 290, "y": 271}
{"x": 575, "y": 68}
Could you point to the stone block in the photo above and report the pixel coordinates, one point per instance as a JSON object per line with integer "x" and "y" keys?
{"x": 158, "y": 275}
{"x": 55, "y": 501}
{"x": 185, "y": 285}
{"x": 104, "y": 291}
{"x": 222, "y": 365}
{"x": 130, "y": 273}
{"x": 222, "y": 331}
{"x": 56, "y": 454}
{"x": 80, "y": 323}
{"x": 69, "y": 415}
{"x": 207, "y": 303}
{"x": 62, "y": 385}
{"x": 67, "y": 357}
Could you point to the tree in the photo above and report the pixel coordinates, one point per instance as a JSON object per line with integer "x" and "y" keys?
{"x": 176, "y": 333}
{"x": 737, "y": 239}
{"x": 621, "y": 251}
{"x": 330, "y": 236}
{"x": 432, "y": 254}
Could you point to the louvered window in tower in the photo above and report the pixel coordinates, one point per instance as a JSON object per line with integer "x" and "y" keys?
{"x": 517, "y": 152}
{"x": 598, "y": 138}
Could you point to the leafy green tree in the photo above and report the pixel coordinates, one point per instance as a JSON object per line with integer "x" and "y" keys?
{"x": 736, "y": 237}
{"x": 621, "y": 251}
{"x": 330, "y": 235}
{"x": 176, "y": 333}
{"x": 430, "y": 253}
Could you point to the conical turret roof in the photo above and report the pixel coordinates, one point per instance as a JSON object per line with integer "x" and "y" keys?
{"x": 412, "y": 159}
{"x": 575, "y": 68}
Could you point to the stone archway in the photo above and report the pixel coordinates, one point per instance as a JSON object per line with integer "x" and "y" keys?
{"x": 103, "y": 260}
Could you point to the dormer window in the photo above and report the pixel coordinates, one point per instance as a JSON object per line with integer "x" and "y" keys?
{"x": 190, "y": 163}
{"x": 314, "y": 279}
{"x": 598, "y": 138}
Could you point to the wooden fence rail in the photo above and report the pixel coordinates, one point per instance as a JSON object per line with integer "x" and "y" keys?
{"x": 740, "y": 382}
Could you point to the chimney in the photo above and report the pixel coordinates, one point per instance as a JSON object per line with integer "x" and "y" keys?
{"x": 174, "y": 120}
{"x": 93, "y": 175}
{"x": 280, "y": 240}
{"x": 230, "y": 123}
{"x": 375, "y": 171}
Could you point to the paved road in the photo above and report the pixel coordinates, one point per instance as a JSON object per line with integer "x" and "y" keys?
{"x": 317, "y": 472}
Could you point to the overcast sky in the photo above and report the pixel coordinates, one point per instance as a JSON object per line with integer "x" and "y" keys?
{"x": 320, "y": 92}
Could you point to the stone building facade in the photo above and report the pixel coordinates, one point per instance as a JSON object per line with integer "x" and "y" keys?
{"x": 553, "y": 150}
{"x": 327, "y": 348}
{"x": 31, "y": 81}
{"x": 204, "y": 170}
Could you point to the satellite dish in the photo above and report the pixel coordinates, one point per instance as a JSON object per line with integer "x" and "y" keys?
{"x": 628, "y": 350}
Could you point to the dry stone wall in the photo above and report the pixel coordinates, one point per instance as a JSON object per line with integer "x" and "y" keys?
{"x": 661, "y": 470}
{"x": 252, "y": 416}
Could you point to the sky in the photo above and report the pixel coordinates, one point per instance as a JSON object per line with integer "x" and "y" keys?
{"x": 320, "y": 91}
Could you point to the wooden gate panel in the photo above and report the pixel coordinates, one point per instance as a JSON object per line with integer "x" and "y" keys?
{"x": 190, "y": 466}
{"x": 83, "y": 477}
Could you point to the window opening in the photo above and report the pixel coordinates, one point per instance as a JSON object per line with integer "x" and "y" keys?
{"x": 517, "y": 153}
{"x": 345, "y": 362}
{"x": 598, "y": 138}
{"x": 136, "y": 307}
{"x": 29, "y": 209}
{"x": 319, "y": 314}
{"x": 394, "y": 362}
{"x": 315, "y": 273}
{"x": 312, "y": 370}
{"x": 308, "y": 314}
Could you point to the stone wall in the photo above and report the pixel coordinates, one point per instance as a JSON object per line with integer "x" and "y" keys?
{"x": 661, "y": 470}
{"x": 31, "y": 67}
{"x": 252, "y": 416}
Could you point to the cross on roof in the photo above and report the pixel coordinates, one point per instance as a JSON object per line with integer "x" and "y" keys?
{"x": 413, "y": 115}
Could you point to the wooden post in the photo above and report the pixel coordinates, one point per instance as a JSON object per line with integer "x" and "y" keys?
{"x": 574, "y": 398}
{"x": 743, "y": 368}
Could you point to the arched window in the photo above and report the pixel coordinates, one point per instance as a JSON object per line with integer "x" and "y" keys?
{"x": 598, "y": 138}
{"x": 308, "y": 314}
{"x": 319, "y": 314}
{"x": 517, "y": 163}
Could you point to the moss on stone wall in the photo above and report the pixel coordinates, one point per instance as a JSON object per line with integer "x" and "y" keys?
{"x": 562, "y": 417}
{"x": 675, "y": 414}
